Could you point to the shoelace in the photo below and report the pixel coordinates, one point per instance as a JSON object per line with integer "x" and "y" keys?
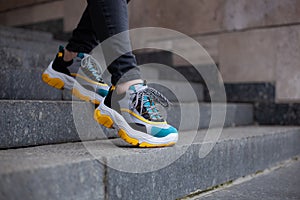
{"x": 91, "y": 65}
{"x": 146, "y": 98}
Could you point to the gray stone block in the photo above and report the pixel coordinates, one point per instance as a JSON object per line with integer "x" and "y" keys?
{"x": 21, "y": 72}
{"x": 43, "y": 47}
{"x": 26, "y": 84}
{"x": 70, "y": 181}
{"x": 13, "y": 58}
{"x": 282, "y": 183}
{"x": 29, "y": 123}
{"x": 24, "y": 34}
{"x": 85, "y": 170}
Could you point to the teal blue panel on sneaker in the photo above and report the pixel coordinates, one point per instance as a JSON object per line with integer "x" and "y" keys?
{"x": 162, "y": 132}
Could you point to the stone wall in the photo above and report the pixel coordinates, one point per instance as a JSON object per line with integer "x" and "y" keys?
{"x": 251, "y": 41}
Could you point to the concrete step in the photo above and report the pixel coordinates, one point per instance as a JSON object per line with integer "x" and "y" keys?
{"x": 30, "y": 123}
{"x": 108, "y": 169}
{"x": 21, "y": 72}
{"x": 24, "y": 34}
{"x": 16, "y": 58}
{"x": 282, "y": 182}
{"x": 26, "y": 84}
{"x": 42, "y": 47}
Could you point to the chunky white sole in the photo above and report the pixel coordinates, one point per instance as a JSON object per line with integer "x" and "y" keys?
{"x": 112, "y": 119}
{"x": 63, "y": 81}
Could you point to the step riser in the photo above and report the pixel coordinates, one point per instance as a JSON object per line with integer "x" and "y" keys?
{"x": 26, "y": 84}
{"x": 12, "y": 58}
{"x": 46, "y": 47}
{"x": 77, "y": 181}
{"x": 28, "y": 123}
{"x": 23, "y": 34}
{"x": 230, "y": 159}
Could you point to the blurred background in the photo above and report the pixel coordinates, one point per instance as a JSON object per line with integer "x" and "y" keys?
{"x": 255, "y": 44}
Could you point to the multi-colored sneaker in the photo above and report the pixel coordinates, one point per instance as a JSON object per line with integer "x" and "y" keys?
{"x": 82, "y": 76}
{"x": 136, "y": 117}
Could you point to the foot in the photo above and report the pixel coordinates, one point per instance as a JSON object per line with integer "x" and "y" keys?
{"x": 136, "y": 117}
{"x": 81, "y": 75}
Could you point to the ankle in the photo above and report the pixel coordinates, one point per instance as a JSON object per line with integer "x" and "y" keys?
{"x": 123, "y": 87}
{"x": 69, "y": 55}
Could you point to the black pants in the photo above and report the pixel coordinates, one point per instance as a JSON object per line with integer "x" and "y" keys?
{"x": 101, "y": 20}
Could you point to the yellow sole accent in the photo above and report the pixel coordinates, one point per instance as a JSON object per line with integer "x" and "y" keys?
{"x": 128, "y": 139}
{"x": 104, "y": 120}
{"x": 54, "y": 82}
{"x": 145, "y": 144}
{"x": 59, "y": 84}
{"x": 122, "y": 133}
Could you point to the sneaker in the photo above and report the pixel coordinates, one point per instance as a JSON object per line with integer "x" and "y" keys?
{"x": 82, "y": 76}
{"x": 136, "y": 117}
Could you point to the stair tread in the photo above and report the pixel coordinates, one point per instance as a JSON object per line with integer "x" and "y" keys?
{"x": 58, "y": 154}
{"x": 86, "y": 170}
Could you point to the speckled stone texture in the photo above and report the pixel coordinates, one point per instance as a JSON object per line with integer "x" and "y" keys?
{"x": 21, "y": 72}
{"x": 250, "y": 92}
{"x": 282, "y": 183}
{"x": 231, "y": 158}
{"x": 23, "y": 34}
{"x": 71, "y": 171}
{"x": 26, "y": 84}
{"x": 31, "y": 45}
{"x": 277, "y": 114}
{"x": 28, "y": 123}
{"x": 23, "y": 58}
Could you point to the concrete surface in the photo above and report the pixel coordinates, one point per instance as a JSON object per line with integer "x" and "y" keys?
{"x": 31, "y": 122}
{"x": 28, "y": 123}
{"x": 17, "y": 33}
{"x": 283, "y": 183}
{"x": 71, "y": 171}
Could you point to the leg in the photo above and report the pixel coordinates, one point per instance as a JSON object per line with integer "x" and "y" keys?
{"x": 101, "y": 20}
{"x": 110, "y": 17}
{"x": 133, "y": 114}
{"x": 83, "y": 37}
